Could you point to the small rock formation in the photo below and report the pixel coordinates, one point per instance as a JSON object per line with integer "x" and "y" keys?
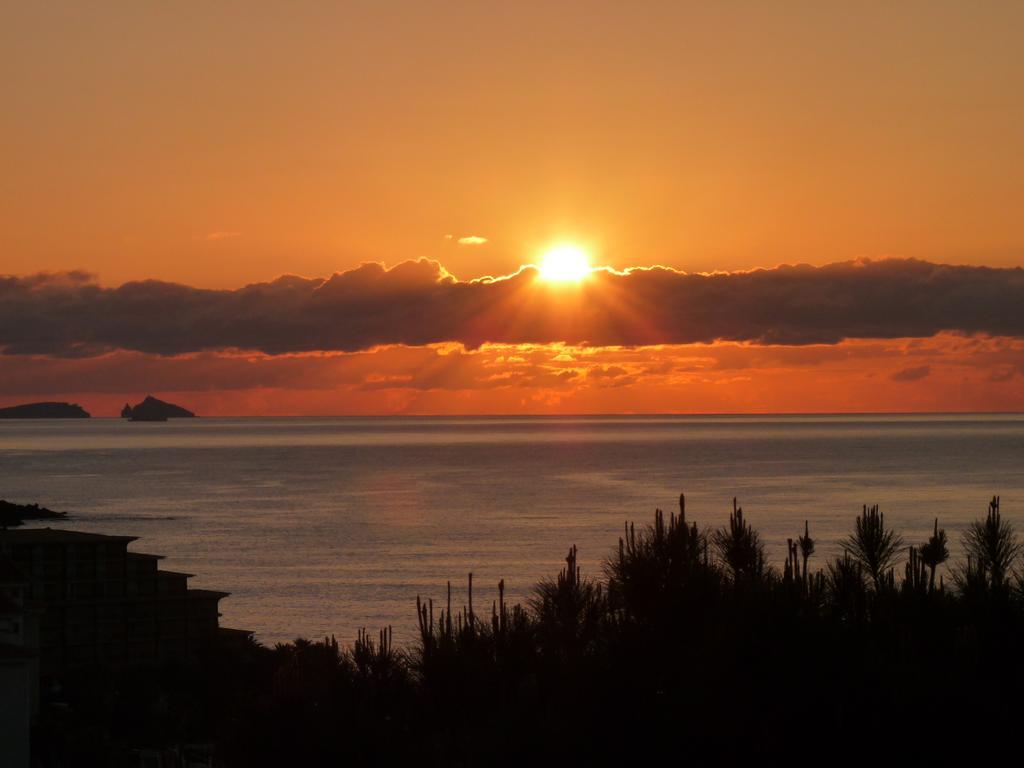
{"x": 44, "y": 411}
{"x": 152, "y": 409}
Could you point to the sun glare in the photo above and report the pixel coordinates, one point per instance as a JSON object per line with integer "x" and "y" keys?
{"x": 564, "y": 264}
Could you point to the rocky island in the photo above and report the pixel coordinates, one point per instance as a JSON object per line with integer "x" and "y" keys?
{"x": 152, "y": 409}
{"x": 44, "y": 411}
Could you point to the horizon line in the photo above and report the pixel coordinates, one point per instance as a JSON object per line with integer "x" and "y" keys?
{"x": 590, "y": 414}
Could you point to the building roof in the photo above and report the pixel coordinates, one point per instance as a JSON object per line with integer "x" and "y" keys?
{"x": 144, "y": 556}
{"x": 207, "y": 593}
{"x": 58, "y": 536}
{"x": 230, "y": 635}
{"x": 232, "y": 632}
{"x": 163, "y": 572}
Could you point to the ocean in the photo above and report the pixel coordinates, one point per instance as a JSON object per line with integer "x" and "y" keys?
{"x": 320, "y": 526}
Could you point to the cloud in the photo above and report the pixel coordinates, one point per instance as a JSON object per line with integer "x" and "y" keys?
{"x": 418, "y": 303}
{"x": 472, "y": 240}
{"x": 966, "y": 373}
{"x": 606, "y": 372}
{"x": 912, "y": 374}
{"x": 222, "y": 235}
{"x": 1002, "y": 373}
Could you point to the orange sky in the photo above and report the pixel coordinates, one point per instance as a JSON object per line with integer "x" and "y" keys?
{"x": 216, "y": 145}
{"x": 946, "y": 373}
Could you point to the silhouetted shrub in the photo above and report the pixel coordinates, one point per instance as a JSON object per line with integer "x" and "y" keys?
{"x": 992, "y": 549}
{"x": 873, "y": 546}
{"x": 740, "y": 550}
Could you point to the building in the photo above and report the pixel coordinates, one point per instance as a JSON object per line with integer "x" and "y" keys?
{"x": 100, "y": 605}
{"x": 19, "y": 666}
{"x": 72, "y": 600}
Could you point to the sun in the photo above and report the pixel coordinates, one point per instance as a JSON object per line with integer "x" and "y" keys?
{"x": 564, "y": 264}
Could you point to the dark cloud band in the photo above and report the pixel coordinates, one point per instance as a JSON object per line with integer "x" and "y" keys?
{"x": 417, "y": 303}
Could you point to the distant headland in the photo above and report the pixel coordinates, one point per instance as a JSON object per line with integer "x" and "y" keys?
{"x": 152, "y": 409}
{"x": 44, "y": 411}
{"x": 12, "y": 514}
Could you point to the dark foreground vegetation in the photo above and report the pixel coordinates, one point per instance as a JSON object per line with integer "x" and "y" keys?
{"x": 688, "y": 648}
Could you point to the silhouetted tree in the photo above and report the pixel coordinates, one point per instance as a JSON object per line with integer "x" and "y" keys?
{"x": 873, "y": 546}
{"x": 739, "y": 548}
{"x": 992, "y": 548}
{"x": 934, "y": 552}
{"x": 806, "y": 548}
{"x": 569, "y": 610}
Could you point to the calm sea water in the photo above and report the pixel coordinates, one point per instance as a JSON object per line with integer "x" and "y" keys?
{"x": 320, "y": 526}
